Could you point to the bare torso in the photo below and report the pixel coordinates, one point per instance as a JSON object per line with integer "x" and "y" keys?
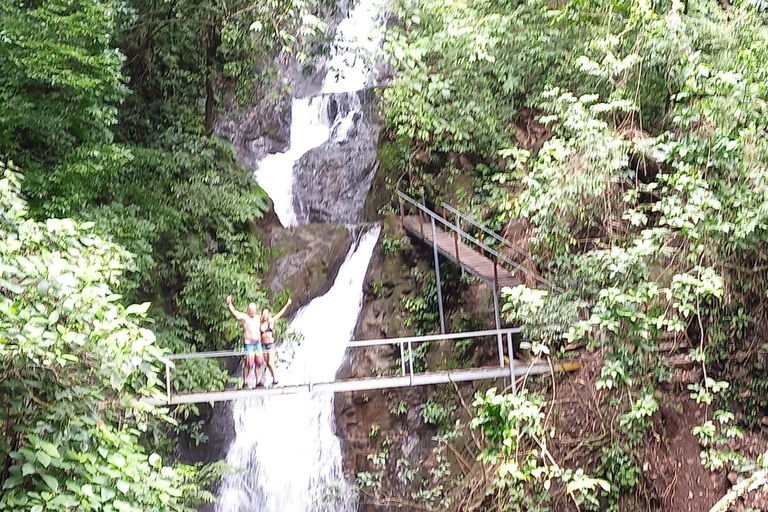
{"x": 250, "y": 329}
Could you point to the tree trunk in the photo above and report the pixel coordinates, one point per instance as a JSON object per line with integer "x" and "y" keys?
{"x": 212, "y": 44}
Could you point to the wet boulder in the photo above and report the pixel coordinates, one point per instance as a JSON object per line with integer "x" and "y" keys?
{"x": 307, "y": 259}
{"x": 331, "y": 182}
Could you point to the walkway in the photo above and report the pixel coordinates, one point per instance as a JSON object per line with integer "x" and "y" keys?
{"x": 473, "y": 261}
{"x": 458, "y": 245}
{"x": 405, "y": 376}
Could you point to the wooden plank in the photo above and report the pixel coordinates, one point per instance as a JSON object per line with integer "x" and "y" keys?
{"x": 469, "y": 258}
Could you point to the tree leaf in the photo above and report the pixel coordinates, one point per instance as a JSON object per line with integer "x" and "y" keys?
{"x": 123, "y": 486}
{"x": 50, "y": 449}
{"x": 43, "y": 458}
{"x": 51, "y": 482}
{"x": 12, "y": 482}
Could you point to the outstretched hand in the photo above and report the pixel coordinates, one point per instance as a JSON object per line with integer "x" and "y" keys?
{"x": 229, "y": 299}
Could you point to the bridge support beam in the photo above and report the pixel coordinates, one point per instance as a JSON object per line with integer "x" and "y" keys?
{"x": 437, "y": 279}
{"x": 511, "y": 363}
{"x": 369, "y": 384}
{"x": 497, "y": 314}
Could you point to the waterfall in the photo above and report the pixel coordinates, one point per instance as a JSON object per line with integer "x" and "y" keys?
{"x": 333, "y": 116}
{"x": 310, "y": 127}
{"x": 285, "y": 445}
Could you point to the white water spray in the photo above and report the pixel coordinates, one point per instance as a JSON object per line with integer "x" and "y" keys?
{"x": 286, "y": 444}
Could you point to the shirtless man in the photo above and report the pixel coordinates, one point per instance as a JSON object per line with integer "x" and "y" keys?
{"x": 253, "y": 347}
{"x": 266, "y": 329}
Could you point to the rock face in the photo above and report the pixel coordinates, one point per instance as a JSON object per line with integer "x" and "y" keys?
{"x": 332, "y": 181}
{"x": 257, "y": 131}
{"x": 307, "y": 259}
{"x": 382, "y": 316}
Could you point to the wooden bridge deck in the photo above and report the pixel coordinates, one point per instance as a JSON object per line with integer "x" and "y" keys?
{"x": 470, "y": 259}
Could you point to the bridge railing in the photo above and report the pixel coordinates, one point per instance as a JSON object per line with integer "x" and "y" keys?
{"x": 406, "y": 346}
{"x": 460, "y": 235}
{"x": 482, "y": 228}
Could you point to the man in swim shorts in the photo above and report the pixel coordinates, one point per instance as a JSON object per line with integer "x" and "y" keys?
{"x": 254, "y": 350}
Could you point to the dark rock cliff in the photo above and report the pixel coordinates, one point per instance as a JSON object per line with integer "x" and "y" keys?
{"x": 334, "y": 178}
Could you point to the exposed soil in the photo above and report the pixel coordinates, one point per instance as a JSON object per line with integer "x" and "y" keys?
{"x": 672, "y": 476}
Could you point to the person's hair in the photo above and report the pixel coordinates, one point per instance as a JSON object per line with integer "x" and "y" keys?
{"x": 265, "y": 311}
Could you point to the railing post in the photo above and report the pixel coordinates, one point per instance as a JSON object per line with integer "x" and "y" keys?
{"x": 402, "y": 358}
{"x": 496, "y": 273}
{"x": 410, "y": 360}
{"x": 168, "y": 382}
{"x": 497, "y": 316}
{"x": 456, "y": 243}
{"x": 421, "y": 219}
{"x": 437, "y": 277}
{"x": 456, "y": 246}
{"x": 402, "y": 212}
{"x": 511, "y": 363}
{"x": 480, "y": 238}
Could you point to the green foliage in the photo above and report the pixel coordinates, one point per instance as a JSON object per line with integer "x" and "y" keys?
{"x": 60, "y": 88}
{"x": 639, "y": 165}
{"x": 74, "y": 364}
{"x": 155, "y": 182}
{"x": 515, "y": 426}
{"x": 465, "y": 69}
{"x": 425, "y": 314}
{"x": 392, "y": 245}
{"x": 401, "y": 408}
{"x": 619, "y": 468}
{"x": 436, "y": 413}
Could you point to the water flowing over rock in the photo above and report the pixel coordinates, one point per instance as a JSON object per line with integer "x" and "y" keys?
{"x": 332, "y": 180}
{"x": 287, "y": 444}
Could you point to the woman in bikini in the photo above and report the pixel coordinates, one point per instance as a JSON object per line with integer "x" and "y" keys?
{"x": 267, "y": 329}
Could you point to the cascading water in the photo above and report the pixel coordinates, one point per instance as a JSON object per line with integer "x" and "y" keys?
{"x": 330, "y": 115}
{"x": 310, "y": 127}
{"x": 286, "y": 445}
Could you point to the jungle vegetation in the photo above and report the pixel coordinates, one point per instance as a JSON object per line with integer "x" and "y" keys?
{"x": 628, "y": 140}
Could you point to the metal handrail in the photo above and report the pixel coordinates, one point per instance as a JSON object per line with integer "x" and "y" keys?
{"x": 362, "y": 343}
{"x": 406, "y": 345}
{"x": 483, "y": 228}
{"x": 450, "y": 225}
{"x": 461, "y": 232}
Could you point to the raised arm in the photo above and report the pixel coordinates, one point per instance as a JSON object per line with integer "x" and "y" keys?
{"x": 235, "y": 313}
{"x": 282, "y": 311}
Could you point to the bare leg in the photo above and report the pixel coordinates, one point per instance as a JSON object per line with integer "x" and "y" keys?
{"x": 268, "y": 360}
{"x": 249, "y": 361}
{"x": 259, "y": 371}
{"x": 246, "y": 372}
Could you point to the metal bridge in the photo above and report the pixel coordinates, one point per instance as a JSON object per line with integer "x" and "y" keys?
{"x": 405, "y": 376}
{"x": 454, "y": 242}
{"x": 469, "y": 252}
